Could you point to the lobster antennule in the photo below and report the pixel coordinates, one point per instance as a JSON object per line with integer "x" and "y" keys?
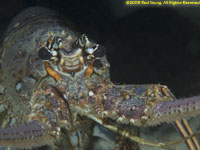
{"x": 168, "y": 111}
{"x": 27, "y": 135}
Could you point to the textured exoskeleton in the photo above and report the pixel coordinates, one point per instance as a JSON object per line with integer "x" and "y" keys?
{"x": 57, "y": 87}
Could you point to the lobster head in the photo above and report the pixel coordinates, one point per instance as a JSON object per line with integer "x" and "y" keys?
{"x": 73, "y": 54}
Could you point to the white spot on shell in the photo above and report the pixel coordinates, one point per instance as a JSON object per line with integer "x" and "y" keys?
{"x": 52, "y": 94}
{"x": 81, "y": 60}
{"x": 38, "y": 106}
{"x": 62, "y": 61}
{"x": 133, "y": 108}
{"x": 65, "y": 96}
{"x": 132, "y": 121}
{"x": 146, "y": 110}
{"x": 69, "y": 37}
{"x": 18, "y": 86}
{"x": 120, "y": 119}
{"x": 144, "y": 118}
{"x": 104, "y": 97}
{"x": 127, "y": 97}
{"x": 58, "y": 129}
{"x": 105, "y": 113}
{"x": 91, "y": 93}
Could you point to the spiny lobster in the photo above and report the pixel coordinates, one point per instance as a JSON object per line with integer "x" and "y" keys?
{"x": 56, "y": 88}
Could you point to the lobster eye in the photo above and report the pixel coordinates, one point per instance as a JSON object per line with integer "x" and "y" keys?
{"x": 99, "y": 51}
{"x": 44, "y": 54}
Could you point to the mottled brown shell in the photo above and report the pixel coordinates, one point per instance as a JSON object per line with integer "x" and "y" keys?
{"x": 22, "y": 68}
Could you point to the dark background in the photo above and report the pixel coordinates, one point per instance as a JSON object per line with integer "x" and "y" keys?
{"x": 144, "y": 45}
